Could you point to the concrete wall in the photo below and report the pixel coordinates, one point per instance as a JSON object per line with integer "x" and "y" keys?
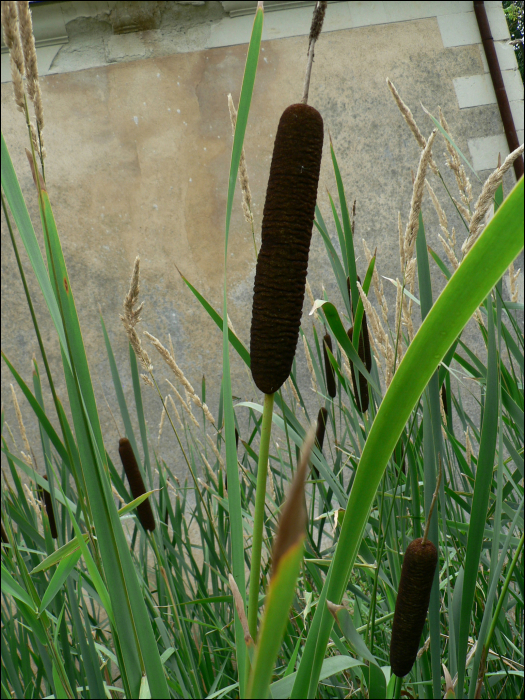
{"x": 139, "y": 140}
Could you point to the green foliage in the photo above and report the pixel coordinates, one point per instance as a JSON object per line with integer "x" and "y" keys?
{"x": 514, "y": 16}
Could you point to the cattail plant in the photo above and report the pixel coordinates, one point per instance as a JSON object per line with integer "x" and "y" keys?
{"x": 46, "y": 497}
{"x": 413, "y": 597}
{"x": 280, "y": 276}
{"x": 136, "y": 483}
{"x": 330, "y": 376}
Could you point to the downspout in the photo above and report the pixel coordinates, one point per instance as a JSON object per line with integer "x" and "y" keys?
{"x": 497, "y": 81}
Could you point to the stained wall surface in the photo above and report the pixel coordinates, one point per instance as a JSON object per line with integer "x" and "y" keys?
{"x": 138, "y": 164}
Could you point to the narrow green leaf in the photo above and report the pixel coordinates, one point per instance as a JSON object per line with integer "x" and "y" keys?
{"x": 65, "y": 567}
{"x": 234, "y": 494}
{"x": 277, "y": 606}
{"x": 349, "y": 252}
{"x": 482, "y": 487}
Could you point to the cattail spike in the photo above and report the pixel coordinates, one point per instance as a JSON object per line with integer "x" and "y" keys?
{"x": 322, "y": 418}
{"x": 49, "y": 509}
{"x": 330, "y": 377}
{"x": 282, "y": 264}
{"x": 417, "y": 577}
{"x": 444, "y": 398}
{"x": 136, "y": 483}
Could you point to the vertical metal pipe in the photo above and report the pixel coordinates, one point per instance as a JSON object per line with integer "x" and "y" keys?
{"x": 497, "y": 81}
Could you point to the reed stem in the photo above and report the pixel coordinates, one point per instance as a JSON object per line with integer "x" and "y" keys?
{"x": 258, "y": 518}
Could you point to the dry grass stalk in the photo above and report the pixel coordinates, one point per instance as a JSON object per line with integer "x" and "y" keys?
{"x": 162, "y": 418}
{"x": 454, "y": 163}
{"x": 465, "y": 213}
{"x": 34, "y": 505}
{"x": 294, "y": 392}
{"x": 485, "y": 199}
{"x": 390, "y": 362}
{"x": 243, "y": 171}
{"x": 117, "y": 494}
{"x": 513, "y": 282}
{"x": 16, "y": 57}
{"x": 215, "y": 451}
{"x": 407, "y": 318}
{"x": 147, "y": 380}
{"x": 439, "y": 209}
{"x": 239, "y": 605}
{"x": 417, "y": 197}
{"x": 11, "y": 434}
{"x": 399, "y": 335}
{"x": 310, "y": 365}
{"x": 33, "y": 84}
{"x": 409, "y": 118}
{"x": 447, "y": 241}
{"x": 170, "y": 361}
{"x": 380, "y": 337}
{"x": 21, "y": 426}
{"x": 188, "y": 403}
{"x": 184, "y": 405}
{"x": 451, "y": 255}
{"x": 131, "y": 317}
{"x": 378, "y": 284}
{"x": 177, "y": 414}
{"x": 210, "y": 471}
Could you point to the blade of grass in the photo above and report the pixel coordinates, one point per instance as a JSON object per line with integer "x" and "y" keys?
{"x": 234, "y": 494}
{"x": 432, "y": 450}
{"x": 348, "y": 252}
{"x": 482, "y": 487}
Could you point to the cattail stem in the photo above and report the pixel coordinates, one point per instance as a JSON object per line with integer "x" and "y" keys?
{"x": 397, "y": 688}
{"x": 258, "y": 517}
{"x": 315, "y": 30}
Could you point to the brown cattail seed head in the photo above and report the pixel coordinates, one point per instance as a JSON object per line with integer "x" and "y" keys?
{"x": 136, "y": 483}
{"x": 288, "y": 216}
{"x": 322, "y": 418}
{"x": 363, "y": 402}
{"x": 330, "y": 377}
{"x": 444, "y": 398}
{"x": 367, "y": 361}
{"x": 5, "y": 539}
{"x": 49, "y": 509}
{"x": 417, "y": 577}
